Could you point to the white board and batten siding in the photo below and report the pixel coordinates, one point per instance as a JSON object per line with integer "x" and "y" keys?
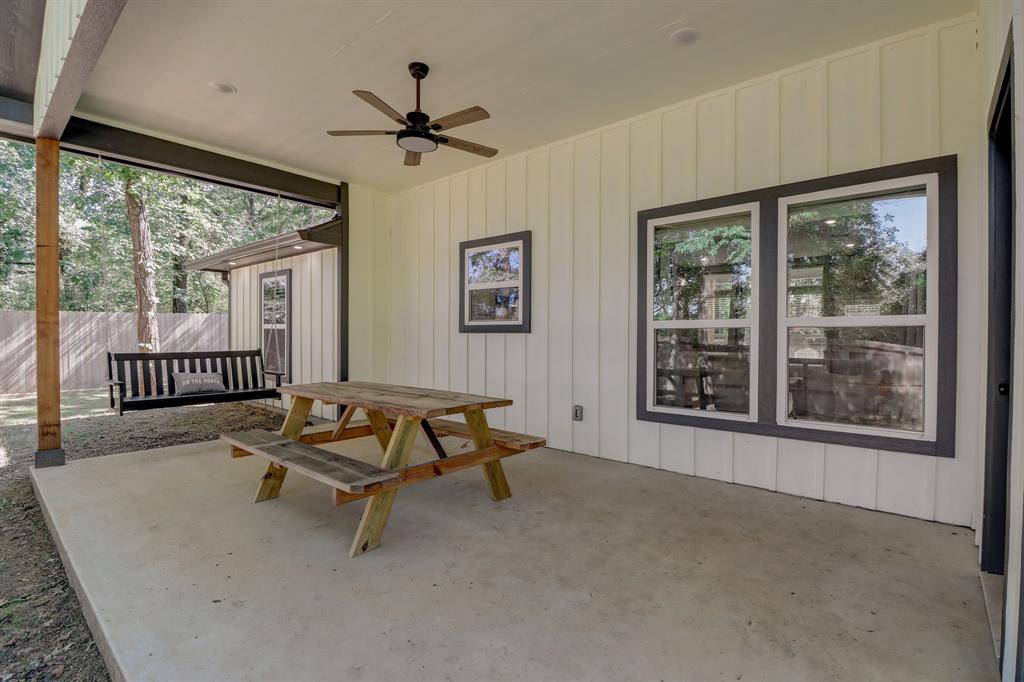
{"x": 874, "y": 105}
{"x": 314, "y": 302}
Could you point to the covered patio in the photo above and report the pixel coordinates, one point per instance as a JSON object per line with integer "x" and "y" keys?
{"x": 593, "y": 570}
{"x": 744, "y": 269}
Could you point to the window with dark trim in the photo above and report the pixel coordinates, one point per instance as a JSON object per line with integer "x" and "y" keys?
{"x": 276, "y": 321}
{"x": 822, "y": 310}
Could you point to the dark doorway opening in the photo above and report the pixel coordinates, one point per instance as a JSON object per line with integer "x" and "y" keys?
{"x": 1000, "y": 327}
{"x": 998, "y": 399}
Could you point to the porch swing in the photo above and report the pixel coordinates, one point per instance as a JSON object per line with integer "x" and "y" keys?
{"x": 148, "y": 381}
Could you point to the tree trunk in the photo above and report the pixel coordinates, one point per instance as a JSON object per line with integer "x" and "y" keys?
{"x": 179, "y": 296}
{"x": 144, "y": 266}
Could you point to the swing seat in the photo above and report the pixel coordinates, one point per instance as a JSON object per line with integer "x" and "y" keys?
{"x": 144, "y": 381}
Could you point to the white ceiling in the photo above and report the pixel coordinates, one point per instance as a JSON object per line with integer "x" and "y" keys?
{"x": 545, "y": 69}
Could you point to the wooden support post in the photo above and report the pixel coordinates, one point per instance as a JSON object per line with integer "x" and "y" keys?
{"x": 48, "y": 451}
{"x": 375, "y": 516}
{"x": 476, "y": 420}
{"x": 298, "y": 413}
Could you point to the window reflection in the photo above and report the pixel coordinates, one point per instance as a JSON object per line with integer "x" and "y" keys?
{"x": 863, "y": 256}
{"x": 703, "y": 369}
{"x": 702, "y": 269}
{"x": 869, "y": 376}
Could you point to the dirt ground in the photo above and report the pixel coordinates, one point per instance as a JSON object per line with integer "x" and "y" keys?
{"x": 43, "y": 635}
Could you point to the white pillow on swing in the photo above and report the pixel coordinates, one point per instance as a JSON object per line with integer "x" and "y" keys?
{"x": 188, "y": 383}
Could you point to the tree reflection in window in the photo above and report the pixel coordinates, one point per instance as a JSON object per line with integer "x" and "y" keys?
{"x": 864, "y": 256}
{"x": 702, "y": 269}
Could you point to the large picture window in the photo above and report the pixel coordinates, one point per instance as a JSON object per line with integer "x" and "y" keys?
{"x": 821, "y": 310}
{"x": 276, "y": 320}
{"x": 702, "y": 312}
{"x": 857, "y": 341}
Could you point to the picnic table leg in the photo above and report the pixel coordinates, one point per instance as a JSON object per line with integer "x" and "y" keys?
{"x": 494, "y": 474}
{"x": 270, "y": 486}
{"x": 396, "y": 455}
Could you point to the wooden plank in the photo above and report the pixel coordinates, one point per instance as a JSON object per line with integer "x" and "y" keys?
{"x": 851, "y": 476}
{"x": 679, "y": 155}
{"x": 757, "y": 135}
{"x": 645, "y": 166}
{"x": 801, "y": 468}
{"x": 48, "y": 434}
{"x": 297, "y": 416}
{"x": 613, "y": 342}
{"x": 910, "y": 99}
{"x": 346, "y": 417}
{"x": 375, "y": 516}
{"x": 381, "y": 428}
{"x": 854, "y": 126}
{"x": 476, "y": 420}
{"x": 458, "y": 351}
{"x": 518, "y": 442}
{"x": 586, "y": 294}
{"x": 559, "y": 293}
{"x": 423, "y": 308}
{"x": 494, "y": 370}
{"x": 716, "y": 146}
{"x": 405, "y": 400}
{"x": 803, "y": 122}
{"x": 339, "y": 471}
{"x": 325, "y": 433}
{"x": 428, "y": 470}
{"x": 442, "y": 254}
{"x": 476, "y": 226}
{"x": 270, "y": 485}
{"x": 537, "y": 341}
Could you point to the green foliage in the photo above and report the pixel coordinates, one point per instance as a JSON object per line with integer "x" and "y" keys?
{"x": 187, "y": 218}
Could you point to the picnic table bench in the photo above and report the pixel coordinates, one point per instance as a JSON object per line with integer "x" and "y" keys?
{"x": 394, "y": 414}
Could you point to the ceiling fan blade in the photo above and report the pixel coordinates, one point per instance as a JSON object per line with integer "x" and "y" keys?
{"x": 460, "y": 118}
{"x": 380, "y": 105}
{"x": 471, "y": 147}
{"x": 412, "y": 158}
{"x": 352, "y": 133}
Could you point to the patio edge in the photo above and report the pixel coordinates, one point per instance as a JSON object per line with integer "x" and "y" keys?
{"x": 99, "y": 633}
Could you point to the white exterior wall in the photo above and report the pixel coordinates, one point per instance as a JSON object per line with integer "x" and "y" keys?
{"x": 314, "y": 338}
{"x": 909, "y": 97}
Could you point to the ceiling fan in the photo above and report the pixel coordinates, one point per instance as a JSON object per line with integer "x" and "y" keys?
{"x": 420, "y": 134}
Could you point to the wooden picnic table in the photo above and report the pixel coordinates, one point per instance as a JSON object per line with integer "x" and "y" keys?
{"x": 394, "y": 414}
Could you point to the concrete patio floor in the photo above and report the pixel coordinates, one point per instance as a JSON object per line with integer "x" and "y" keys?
{"x": 592, "y": 570}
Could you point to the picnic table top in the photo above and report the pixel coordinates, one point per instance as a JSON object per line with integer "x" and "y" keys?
{"x": 391, "y": 399}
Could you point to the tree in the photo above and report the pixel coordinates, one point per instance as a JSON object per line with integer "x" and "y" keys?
{"x": 144, "y": 266}
{"x": 186, "y": 218}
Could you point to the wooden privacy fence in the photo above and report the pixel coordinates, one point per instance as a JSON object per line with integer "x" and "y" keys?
{"x": 85, "y": 339}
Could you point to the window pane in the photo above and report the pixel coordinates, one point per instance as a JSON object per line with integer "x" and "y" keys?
{"x": 703, "y": 369}
{"x": 494, "y": 305}
{"x": 275, "y": 351}
{"x": 871, "y": 376}
{"x": 863, "y": 256}
{"x": 702, "y": 269}
{"x": 275, "y": 300}
{"x": 496, "y": 265}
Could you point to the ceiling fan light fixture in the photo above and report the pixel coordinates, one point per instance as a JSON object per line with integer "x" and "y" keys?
{"x": 416, "y": 141}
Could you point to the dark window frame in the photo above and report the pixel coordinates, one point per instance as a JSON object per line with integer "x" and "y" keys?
{"x": 524, "y": 295}
{"x": 944, "y": 444}
{"x": 287, "y": 273}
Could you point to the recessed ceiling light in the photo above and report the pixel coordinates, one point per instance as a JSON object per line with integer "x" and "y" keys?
{"x": 223, "y": 88}
{"x": 297, "y": 247}
{"x": 231, "y": 262}
{"x": 684, "y": 36}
